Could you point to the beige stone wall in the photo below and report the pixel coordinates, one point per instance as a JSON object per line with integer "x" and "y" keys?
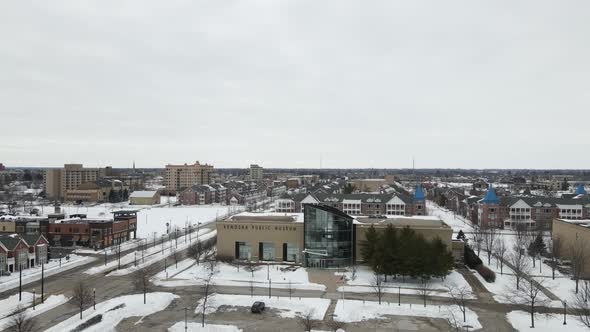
{"x": 229, "y": 232}
{"x": 429, "y": 233}
{"x": 52, "y": 182}
{"x": 7, "y": 227}
{"x": 568, "y": 234}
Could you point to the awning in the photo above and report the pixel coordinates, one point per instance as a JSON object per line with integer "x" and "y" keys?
{"x": 56, "y": 237}
{"x": 75, "y": 238}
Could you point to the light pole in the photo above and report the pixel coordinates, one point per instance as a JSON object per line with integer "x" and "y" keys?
{"x": 135, "y": 259}
{"x": 162, "y": 244}
{"x": 269, "y": 287}
{"x": 564, "y": 312}
{"x": 105, "y": 257}
{"x": 20, "y": 281}
{"x": 185, "y": 318}
{"x": 33, "y": 298}
{"x": 176, "y": 236}
{"x": 399, "y": 295}
{"x": 43, "y": 282}
{"x": 94, "y": 298}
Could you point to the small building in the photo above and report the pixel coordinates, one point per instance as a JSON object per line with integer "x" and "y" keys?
{"x": 143, "y": 197}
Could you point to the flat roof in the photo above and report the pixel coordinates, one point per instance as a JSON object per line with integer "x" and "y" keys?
{"x": 420, "y": 221}
{"x": 266, "y": 217}
{"x": 582, "y": 223}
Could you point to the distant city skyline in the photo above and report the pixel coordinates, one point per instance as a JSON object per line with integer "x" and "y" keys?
{"x": 284, "y": 84}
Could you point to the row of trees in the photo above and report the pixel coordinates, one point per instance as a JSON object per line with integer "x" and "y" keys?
{"x": 404, "y": 252}
{"x": 116, "y": 196}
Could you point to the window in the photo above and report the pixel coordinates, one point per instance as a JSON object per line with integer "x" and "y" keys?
{"x": 292, "y": 253}
{"x": 2, "y": 262}
{"x": 244, "y": 250}
{"x": 268, "y": 251}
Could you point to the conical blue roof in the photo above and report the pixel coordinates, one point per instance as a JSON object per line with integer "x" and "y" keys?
{"x": 490, "y": 197}
{"x": 419, "y": 194}
{"x": 580, "y": 190}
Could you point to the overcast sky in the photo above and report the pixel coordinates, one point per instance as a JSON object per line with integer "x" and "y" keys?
{"x": 467, "y": 84}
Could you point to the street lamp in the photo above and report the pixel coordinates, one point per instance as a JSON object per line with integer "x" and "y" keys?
{"x": 185, "y": 318}
{"x": 33, "y": 298}
{"x": 94, "y": 298}
{"x": 564, "y": 312}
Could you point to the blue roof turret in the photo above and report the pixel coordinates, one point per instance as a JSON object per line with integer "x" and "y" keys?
{"x": 490, "y": 197}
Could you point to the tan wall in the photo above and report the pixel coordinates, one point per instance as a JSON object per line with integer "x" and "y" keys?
{"x": 445, "y": 234}
{"x": 254, "y": 232}
{"x": 145, "y": 200}
{"x": 568, "y": 234}
{"x": 52, "y": 182}
{"x": 7, "y": 227}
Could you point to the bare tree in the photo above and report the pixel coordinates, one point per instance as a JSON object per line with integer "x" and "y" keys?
{"x": 207, "y": 286}
{"x": 306, "y": 320}
{"x": 555, "y": 252}
{"x": 478, "y": 238}
{"x": 582, "y": 308}
{"x": 501, "y": 251}
{"x": 378, "y": 286}
{"x": 251, "y": 287}
{"x": 425, "y": 288}
{"x": 530, "y": 294}
{"x": 579, "y": 257}
{"x": 335, "y": 325}
{"x": 82, "y": 296}
{"x": 195, "y": 251}
{"x": 251, "y": 267}
{"x": 489, "y": 237}
{"x": 455, "y": 323}
{"x": 143, "y": 282}
{"x": 20, "y": 321}
{"x": 460, "y": 295}
{"x": 518, "y": 260}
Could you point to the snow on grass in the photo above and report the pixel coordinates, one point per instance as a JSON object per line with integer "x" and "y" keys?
{"x": 288, "y": 308}
{"x": 521, "y": 321}
{"x": 126, "y": 306}
{"x": 51, "y": 302}
{"x": 196, "y": 327}
{"x": 9, "y": 304}
{"x": 357, "y": 311}
{"x": 150, "y": 256}
{"x": 228, "y": 275}
{"x": 364, "y": 280}
{"x": 51, "y": 268}
{"x": 456, "y": 222}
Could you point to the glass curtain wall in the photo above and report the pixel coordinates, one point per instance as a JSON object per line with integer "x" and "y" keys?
{"x": 328, "y": 237}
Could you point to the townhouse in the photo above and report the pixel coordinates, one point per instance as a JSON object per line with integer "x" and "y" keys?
{"x": 22, "y": 252}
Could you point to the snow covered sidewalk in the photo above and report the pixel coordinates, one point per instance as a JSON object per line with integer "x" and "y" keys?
{"x": 51, "y": 302}
{"x": 8, "y": 305}
{"x": 110, "y": 313}
{"x": 228, "y": 275}
{"x": 196, "y": 327}
{"x": 51, "y": 268}
{"x": 288, "y": 308}
{"x": 358, "y": 311}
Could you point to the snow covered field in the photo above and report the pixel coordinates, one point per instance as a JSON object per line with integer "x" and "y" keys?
{"x": 196, "y": 327}
{"x": 456, "y": 222}
{"x": 288, "y": 308}
{"x": 521, "y": 321}
{"x": 228, "y": 275}
{"x": 10, "y": 303}
{"x": 358, "y": 311}
{"x": 113, "y": 311}
{"x": 151, "y": 255}
{"x": 51, "y": 302}
{"x": 51, "y": 268}
{"x": 364, "y": 280}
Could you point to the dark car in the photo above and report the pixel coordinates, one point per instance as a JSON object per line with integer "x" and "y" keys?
{"x": 257, "y": 307}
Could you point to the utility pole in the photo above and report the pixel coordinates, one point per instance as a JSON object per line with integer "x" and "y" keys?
{"x": 43, "y": 282}
{"x": 20, "y": 281}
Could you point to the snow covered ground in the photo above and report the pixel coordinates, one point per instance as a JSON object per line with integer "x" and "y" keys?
{"x": 51, "y": 302}
{"x": 365, "y": 277}
{"x": 10, "y": 303}
{"x": 457, "y": 222}
{"x": 151, "y": 255}
{"x": 521, "y": 321}
{"x": 228, "y": 275}
{"x": 288, "y": 308}
{"x": 196, "y": 327}
{"x": 115, "y": 310}
{"x": 51, "y": 268}
{"x": 357, "y": 311}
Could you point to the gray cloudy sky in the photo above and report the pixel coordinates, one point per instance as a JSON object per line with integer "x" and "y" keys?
{"x": 482, "y": 84}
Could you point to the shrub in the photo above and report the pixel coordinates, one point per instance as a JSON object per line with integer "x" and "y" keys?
{"x": 92, "y": 321}
{"x": 486, "y": 273}
{"x": 471, "y": 258}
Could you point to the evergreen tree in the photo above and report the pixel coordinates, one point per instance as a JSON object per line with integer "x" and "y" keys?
{"x": 125, "y": 194}
{"x": 368, "y": 246}
{"x": 390, "y": 251}
{"x": 112, "y": 196}
{"x": 461, "y": 235}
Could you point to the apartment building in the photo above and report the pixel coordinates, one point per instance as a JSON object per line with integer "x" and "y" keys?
{"x": 58, "y": 181}
{"x": 529, "y": 210}
{"x": 22, "y": 252}
{"x": 359, "y": 204}
{"x": 255, "y": 172}
{"x": 178, "y": 177}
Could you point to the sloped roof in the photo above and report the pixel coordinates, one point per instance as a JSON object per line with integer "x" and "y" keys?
{"x": 490, "y": 197}
{"x": 419, "y": 194}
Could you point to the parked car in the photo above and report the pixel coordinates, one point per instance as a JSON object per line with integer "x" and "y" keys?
{"x": 258, "y": 307}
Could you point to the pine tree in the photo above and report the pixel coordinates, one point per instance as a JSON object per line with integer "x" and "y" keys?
{"x": 368, "y": 246}
{"x": 125, "y": 194}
